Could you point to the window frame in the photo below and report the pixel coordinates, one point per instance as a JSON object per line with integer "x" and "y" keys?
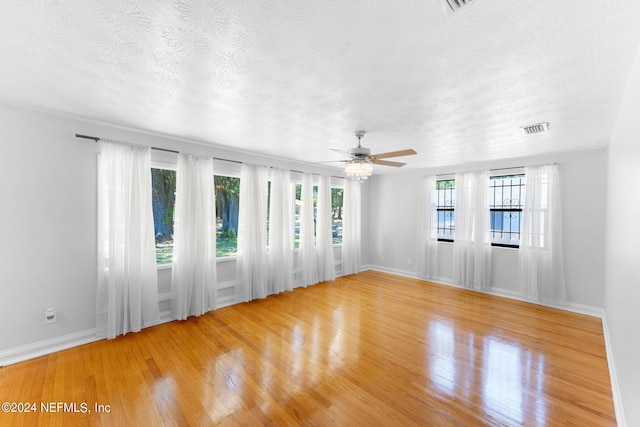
{"x": 503, "y": 174}
{"x": 339, "y": 187}
{"x": 227, "y": 174}
{"x": 443, "y": 208}
{"x": 170, "y": 167}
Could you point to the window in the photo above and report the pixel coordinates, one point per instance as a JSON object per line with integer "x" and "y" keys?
{"x": 163, "y": 187}
{"x": 506, "y": 195}
{"x": 445, "y": 203}
{"x": 298, "y": 206}
{"x": 227, "y": 207}
{"x": 336, "y": 214}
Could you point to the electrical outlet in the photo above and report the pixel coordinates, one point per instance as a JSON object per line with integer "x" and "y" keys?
{"x": 409, "y": 261}
{"x": 50, "y": 316}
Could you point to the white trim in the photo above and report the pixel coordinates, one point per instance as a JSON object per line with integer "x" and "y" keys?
{"x": 571, "y": 307}
{"x": 226, "y": 258}
{"x": 621, "y": 419}
{"x": 165, "y": 317}
{"x": 164, "y": 296}
{"x": 227, "y": 301}
{"x": 48, "y": 346}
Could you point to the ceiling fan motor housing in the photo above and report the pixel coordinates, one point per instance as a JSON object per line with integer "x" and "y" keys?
{"x": 360, "y": 152}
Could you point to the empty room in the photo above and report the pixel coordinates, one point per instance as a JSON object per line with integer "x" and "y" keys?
{"x": 417, "y": 212}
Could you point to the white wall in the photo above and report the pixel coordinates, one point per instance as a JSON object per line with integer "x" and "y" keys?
{"x": 393, "y": 211}
{"x": 48, "y": 224}
{"x": 622, "y": 275}
{"x": 48, "y": 227}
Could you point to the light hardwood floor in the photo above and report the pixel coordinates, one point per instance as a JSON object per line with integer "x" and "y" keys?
{"x": 368, "y": 349}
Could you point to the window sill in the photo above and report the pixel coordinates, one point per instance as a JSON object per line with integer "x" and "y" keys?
{"x": 508, "y": 247}
{"x": 219, "y": 259}
{"x": 226, "y": 258}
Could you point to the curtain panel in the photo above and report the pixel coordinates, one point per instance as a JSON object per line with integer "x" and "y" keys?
{"x": 127, "y": 294}
{"x": 427, "y": 261}
{"x": 324, "y": 234}
{"x": 193, "y": 275}
{"x": 351, "y": 234}
{"x": 472, "y": 241}
{"x": 251, "y": 258}
{"x": 280, "y": 255}
{"x": 307, "y": 248}
{"x": 541, "y": 273}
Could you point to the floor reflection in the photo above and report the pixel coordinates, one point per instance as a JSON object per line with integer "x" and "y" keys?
{"x": 225, "y": 397}
{"x": 442, "y": 368}
{"x": 502, "y": 390}
{"x": 510, "y": 381}
{"x": 510, "y": 375}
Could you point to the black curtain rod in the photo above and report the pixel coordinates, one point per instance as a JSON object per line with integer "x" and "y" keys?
{"x": 504, "y": 169}
{"x": 518, "y": 167}
{"x": 96, "y": 139}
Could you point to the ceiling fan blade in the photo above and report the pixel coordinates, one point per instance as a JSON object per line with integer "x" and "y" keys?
{"x": 400, "y": 153}
{"x": 387, "y": 163}
{"x": 342, "y": 152}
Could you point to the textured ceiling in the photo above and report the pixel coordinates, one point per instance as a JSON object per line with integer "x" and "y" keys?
{"x": 292, "y": 78}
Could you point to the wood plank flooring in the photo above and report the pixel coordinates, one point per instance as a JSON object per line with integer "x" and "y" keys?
{"x": 368, "y": 349}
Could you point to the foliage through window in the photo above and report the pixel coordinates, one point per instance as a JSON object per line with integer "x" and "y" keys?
{"x": 163, "y": 187}
{"x": 506, "y": 196}
{"x": 445, "y": 204}
{"x": 336, "y": 214}
{"x": 227, "y": 208}
{"x": 227, "y": 199}
{"x": 297, "y": 214}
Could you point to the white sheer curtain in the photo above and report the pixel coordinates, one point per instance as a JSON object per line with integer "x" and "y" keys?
{"x": 193, "y": 274}
{"x": 541, "y": 273}
{"x": 427, "y": 262}
{"x": 280, "y": 257}
{"x": 251, "y": 259}
{"x": 472, "y": 241}
{"x": 324, "y": 235}
{"x": 351, "y": 237}
{"x": 127, "y": 294}
{"x": 307, "y": 249}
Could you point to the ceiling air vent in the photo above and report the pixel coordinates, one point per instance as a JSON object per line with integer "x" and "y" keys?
{"x": 457, "y": 4}
{"x": 537, "y": 128}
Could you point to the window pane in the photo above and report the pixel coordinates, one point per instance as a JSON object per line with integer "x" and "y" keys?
{"x": 163, "y": 187}
{"x": 296, "y": 221}
{"x": 336, "y": 215}
{"x": 445, "y": 203}
{"x": 315, "y": 212}
{"x": 227, "y": 207}
{"x": 506, "y": 196}
{"x": 298, "y": 206}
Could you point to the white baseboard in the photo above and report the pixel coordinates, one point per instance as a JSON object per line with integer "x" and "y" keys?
{"x": 396, "y": 271}
{"x": 621, "y": 419}
{"x": 44, "y": 347}
{"x": 570, "y": 306}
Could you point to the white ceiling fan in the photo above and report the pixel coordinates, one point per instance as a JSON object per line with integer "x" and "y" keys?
{"x": 359, "y": 164}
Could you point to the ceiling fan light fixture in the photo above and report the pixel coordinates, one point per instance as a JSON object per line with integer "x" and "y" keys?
{"x": 358, "y": 170}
